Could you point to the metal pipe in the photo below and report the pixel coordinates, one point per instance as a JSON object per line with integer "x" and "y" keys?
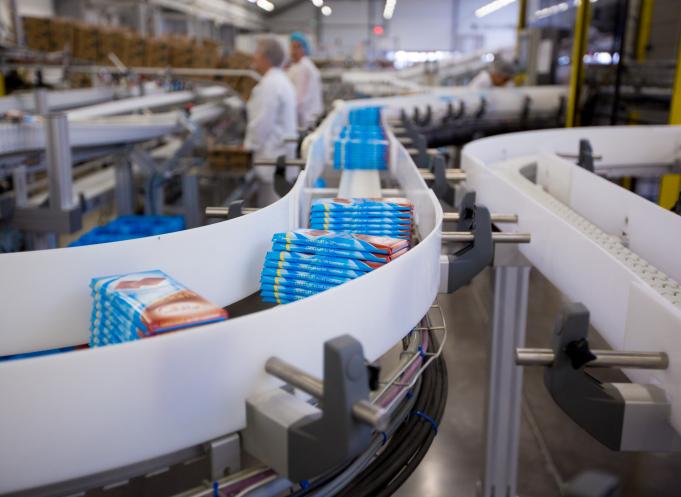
{"x": 496, "y": 218}
{"x": 450, "y": 175}
{"x": 604, "y": 359}
{"x": 224, "y": 211}
{"x": 273, "y": 162}
{"x": 406, "y": 141}
{"x": 497, "y": 237}
{"x": 362, "y": 411}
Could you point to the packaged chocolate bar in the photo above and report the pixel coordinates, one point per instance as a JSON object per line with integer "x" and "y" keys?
{"x": 288, "y": 290}
{"x": 143, "y": 304}
{"x": 279, "y": 297}
{"x": 303, "y": 275}
{"x": 331, "y": 271}
{"x": 361, "y": 204}
{"x": 359, "y": 215}
{"x": 331, "y": 240}
{"x": 295, "y": 282}
{"x": 373, "y": 227}
{"x": 333, "y": 252}
{"x": 321, "y": 260}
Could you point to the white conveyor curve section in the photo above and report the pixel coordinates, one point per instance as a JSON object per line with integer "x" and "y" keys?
{"x": 135, "y": 104}
{"x": 598, "y": 243}
{"x": 103, "y": 131}
{"x": 83, "y": 412}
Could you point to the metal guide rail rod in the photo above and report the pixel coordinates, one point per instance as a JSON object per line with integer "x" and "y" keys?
{"x": 495, "y": 218}
{"x": 497, "y": 237}
{"x": 450, "y": 174}
{"x": 604, "y": 359}
{"x": 363, "y": 410}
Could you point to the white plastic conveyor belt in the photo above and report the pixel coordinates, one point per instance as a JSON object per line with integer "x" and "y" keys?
{"x": 600, "y": 244}
{"x": 83, "y": 412}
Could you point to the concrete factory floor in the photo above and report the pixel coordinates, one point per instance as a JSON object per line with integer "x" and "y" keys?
{"x": 553, "y": 448}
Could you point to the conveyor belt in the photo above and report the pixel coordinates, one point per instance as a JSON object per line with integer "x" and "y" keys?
{"x": 113, "y": 406}
{"x": 598, "y": 243}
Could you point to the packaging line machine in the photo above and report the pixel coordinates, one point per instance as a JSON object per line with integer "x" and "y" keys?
{"x": 215, "y": 389}
{"x": 53, "y": 141}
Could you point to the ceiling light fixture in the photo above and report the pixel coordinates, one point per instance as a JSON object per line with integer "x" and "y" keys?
{"x": 492, "y": 7}
{"x": 265, "y": 5}
{"x": 326, "y": 10}
{"x": 389, "y": 9}
{"x": 317, "y": 3}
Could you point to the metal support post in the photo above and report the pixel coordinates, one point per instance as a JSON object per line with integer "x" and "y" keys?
{"x": 123, "y": 192}
{"x": 503, "y": 408}
{"x": 670, "y": 184}
{"x": 193, "y": 216}
{"x": 59, "y": 162}
{"x": 42, "y": 108}
{"x": 579, "y": 46}
{"x": 20, "y": 186}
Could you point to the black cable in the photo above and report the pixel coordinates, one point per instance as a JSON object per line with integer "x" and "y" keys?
{"x": 409, "y": 444}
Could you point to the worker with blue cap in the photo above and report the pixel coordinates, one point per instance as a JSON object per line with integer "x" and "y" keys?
{"x": 306, "y": 80}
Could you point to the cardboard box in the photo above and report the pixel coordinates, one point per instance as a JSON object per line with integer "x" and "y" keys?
{"x": 62, "y": 34}
{"x": 86, "y": 42}
{"x": 181, "y": 52}
{"x": 37, "y": 33}
{"x": 157, "y": 53}
{"x": 229, "y": 158}
{"x": 112, "y": 41}
{"x": 135, "y": 50}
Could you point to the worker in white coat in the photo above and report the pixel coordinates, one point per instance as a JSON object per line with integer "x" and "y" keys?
{"x": 271, "y": 114}
{"x": 306, "y": 80}
{"x": 498, "y": 74}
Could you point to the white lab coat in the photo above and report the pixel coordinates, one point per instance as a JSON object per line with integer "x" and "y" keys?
{"x": 308, "y": 84}
{"x": 271, "y": 120}
{"x": 271, "y": 116}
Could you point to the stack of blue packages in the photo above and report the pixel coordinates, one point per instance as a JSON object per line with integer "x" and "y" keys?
{"x": 391, "y": 217}
{"x": 129, "y": 227}
{"x": 362, "y": 144}
{"x": 306, "y": 262}
{"x": 128, "y": 307}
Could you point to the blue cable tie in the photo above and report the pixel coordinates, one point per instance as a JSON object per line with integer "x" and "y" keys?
{"x": 423, "y": 415}
{"x": 216, "y": 491}
{"x": 304, "y": 484}
{"x": 410, "y": 394}
{"x": 422, "y": 353}
{"x": 385, "y": 438}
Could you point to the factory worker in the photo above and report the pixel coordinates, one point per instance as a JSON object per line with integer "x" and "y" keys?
{"x": 271, "y": 112}
{"x": 499, "y": 73}
{"x": 306, "y": 80}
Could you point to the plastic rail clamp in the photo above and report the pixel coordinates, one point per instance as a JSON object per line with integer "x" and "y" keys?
{"x": 466, "y": 263}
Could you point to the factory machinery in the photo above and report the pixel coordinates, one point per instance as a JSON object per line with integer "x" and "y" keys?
{"x": 103, "y": 417}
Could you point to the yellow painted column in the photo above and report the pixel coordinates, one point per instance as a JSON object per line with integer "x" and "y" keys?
{"x": 670, "y": 186}
{"x": 579, "y": 46}
{"x": 643, "y": 33}
{"x": 519, "y": 78}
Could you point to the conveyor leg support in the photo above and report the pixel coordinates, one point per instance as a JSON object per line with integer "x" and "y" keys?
{"x": 503, "y": 409}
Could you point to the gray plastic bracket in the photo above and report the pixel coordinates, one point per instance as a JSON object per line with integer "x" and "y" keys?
{"x": 281, "y": 186}
{"x": 466, "y": 263}
{"x": 441, "y": 187}
{"x": 235, "y": 209}
{"x": 316, "y": 445}
{"x": 622, "y": 416}
{"x": 299, "y": 440}
{"x": 586, "y": 155}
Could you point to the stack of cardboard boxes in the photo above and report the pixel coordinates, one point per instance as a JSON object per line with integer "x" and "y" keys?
{"x": 95, "y": 43}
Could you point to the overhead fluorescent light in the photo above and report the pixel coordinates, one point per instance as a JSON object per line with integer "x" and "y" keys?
{"x": 317, "y": 3}
{"x": 389, "y": 8}
{"x": 488, "y": 8}
{"x": 552, "y": 10}
{"x": 326, "y": 10}
{"x": 265, "y": 5}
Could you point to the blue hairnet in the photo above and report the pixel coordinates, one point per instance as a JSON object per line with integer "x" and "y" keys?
{"x": 302, "y": 39}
